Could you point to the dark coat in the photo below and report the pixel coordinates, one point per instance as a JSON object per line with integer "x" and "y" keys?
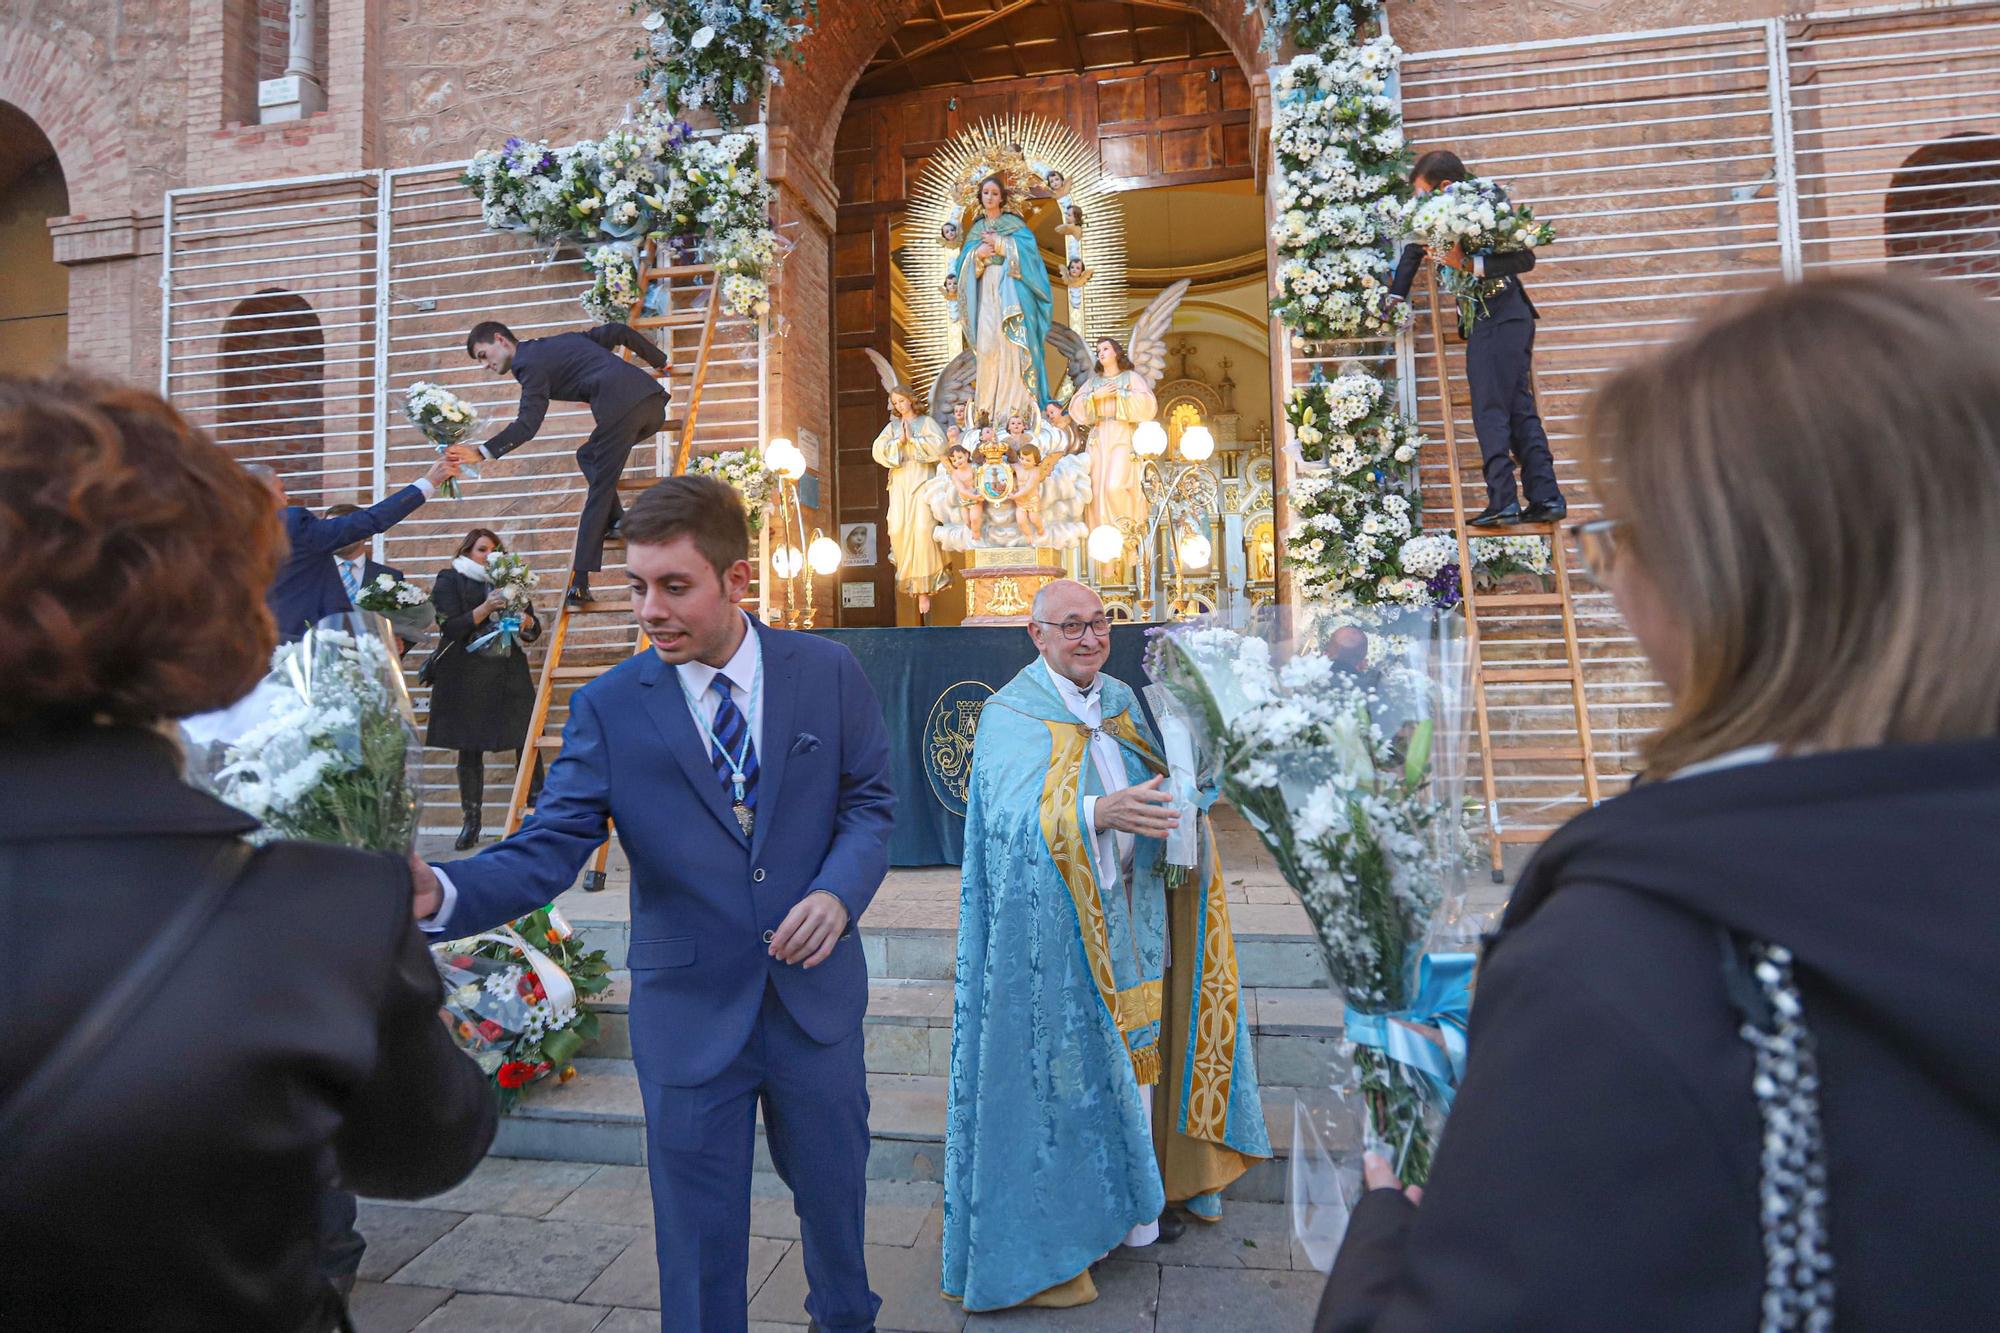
{"x": 307, "y": 587}
{"x": 479, "y": 700}
{"x": 176, "y": 1189}
{"x": 578, "y": 368}
{"x": 1511, "y": 302}
{"x": 1600, "y": 1169}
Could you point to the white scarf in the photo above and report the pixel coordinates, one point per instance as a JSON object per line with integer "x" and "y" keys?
{"x": 471, "y": 568}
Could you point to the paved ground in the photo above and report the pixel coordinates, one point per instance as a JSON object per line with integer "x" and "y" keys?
{"x": 563, "y": 1247}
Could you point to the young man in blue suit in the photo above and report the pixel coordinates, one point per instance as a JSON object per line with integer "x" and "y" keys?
{"x": 746, "y": 769}
{"x": 308, "y": 586}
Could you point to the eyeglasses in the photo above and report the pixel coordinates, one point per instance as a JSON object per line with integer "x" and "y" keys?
{"x": 1597, "y": 545}
{"x": 1074, "y": 629}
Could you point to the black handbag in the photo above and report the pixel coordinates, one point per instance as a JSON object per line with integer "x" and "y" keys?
{"x": 427, "y": 673}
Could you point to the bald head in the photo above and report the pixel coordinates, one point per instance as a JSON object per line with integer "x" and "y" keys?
{"x": 1067, "y": 607}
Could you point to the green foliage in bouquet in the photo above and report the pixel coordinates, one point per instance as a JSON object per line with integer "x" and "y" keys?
{"x": 718, "y": 54}
{"x": 501, "y": 1013}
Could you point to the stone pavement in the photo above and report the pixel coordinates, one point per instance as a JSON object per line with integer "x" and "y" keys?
{"x": 567, "y": 1247}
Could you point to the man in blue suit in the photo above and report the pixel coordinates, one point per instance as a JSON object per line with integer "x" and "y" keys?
{"x": 746, "y": 769}
{"x": 308, "y": 586}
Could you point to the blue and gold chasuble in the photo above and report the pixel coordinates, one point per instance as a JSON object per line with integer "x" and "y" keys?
{"x": 1063, "y": 1007}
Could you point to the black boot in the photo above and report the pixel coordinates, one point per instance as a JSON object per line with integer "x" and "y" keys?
{"x": 468, "y": 833}
{"x": 1172, "y": 1226}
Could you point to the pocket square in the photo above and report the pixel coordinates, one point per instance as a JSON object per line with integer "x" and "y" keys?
{"x": 805, "y": 744}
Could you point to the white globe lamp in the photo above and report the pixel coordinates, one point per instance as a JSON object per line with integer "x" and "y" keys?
{"x": 1197, "y": 444}
{"x": 1150, "y": 439}
{"x": 783, "y": 457}
{"x": 1196, "y": 552}
{"x": 1106, "y": 544}
{"x": 823, "y": 555}
{"x": 786, "y": 562}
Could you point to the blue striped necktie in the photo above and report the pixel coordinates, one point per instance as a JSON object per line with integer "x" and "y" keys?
{"x": 731, "y": 732}
{"x": 350, "y": 578}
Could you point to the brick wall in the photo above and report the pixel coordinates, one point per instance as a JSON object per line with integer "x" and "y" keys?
{"x": 1944, "y": 211}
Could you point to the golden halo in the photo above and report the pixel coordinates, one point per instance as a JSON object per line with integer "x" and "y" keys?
{"x": 948, "y": 189}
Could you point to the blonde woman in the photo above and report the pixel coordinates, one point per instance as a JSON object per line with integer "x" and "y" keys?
{"x": 1732, "y": 1056}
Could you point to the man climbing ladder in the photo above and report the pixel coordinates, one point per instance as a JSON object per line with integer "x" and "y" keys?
{"x": 627, "y": 404}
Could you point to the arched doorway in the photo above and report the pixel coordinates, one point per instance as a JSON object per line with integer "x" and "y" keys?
{"x": 1943, "y": 214}
{"x": 273, "y": 411}
{"x": 1164, "y": 97}
{"x": 34, "y": 289}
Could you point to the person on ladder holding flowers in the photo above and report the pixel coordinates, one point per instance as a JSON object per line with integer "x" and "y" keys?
{"x": 627, "y": 405}
{"x": 1499, "y": 366}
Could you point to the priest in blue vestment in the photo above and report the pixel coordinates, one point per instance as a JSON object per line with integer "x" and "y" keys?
{"x": 1101, "y": 1061}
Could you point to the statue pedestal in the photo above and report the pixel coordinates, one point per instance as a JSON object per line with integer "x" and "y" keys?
{"x": 1001, "y": 582}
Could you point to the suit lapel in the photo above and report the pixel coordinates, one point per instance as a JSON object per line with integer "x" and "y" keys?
{"x": 667, "y": 703}
{"x": 781, "y": 692}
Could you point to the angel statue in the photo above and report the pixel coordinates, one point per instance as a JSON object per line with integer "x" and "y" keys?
{"x": 1005, "y": 306}
{"x": 910, "y": 446}
{"x": 969, "y": 511}
{"x": 1114, "y": 394}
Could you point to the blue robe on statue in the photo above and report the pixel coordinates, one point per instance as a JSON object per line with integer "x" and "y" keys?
{"x": 1063, "y": 1008}
{"x": 1030, "y": 303}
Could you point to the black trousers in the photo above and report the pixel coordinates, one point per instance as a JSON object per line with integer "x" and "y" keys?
{"x": 602, "y": 462}
{"x": 472, "y": 778}
{"x": 1499, "y": 369}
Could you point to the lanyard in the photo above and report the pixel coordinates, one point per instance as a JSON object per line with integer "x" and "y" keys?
{"x": 708, "y": 725}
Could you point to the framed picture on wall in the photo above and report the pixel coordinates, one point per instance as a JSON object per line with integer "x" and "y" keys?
{"x": 857, "y": 545}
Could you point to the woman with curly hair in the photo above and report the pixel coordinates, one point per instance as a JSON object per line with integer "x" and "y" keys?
{"x": 202, "y": 1033}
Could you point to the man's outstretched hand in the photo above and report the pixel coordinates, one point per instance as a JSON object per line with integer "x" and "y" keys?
{"x": 442, "y": 471}
{"x": 427, "y": 894}
{"x": 1144, "y": 810}
{"x": 810, "y": 930}
{"x": 464, "y": 454}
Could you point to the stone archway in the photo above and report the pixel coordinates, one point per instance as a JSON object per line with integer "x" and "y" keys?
{"x": 1943, "y": 212}
{"x": 63, "y": 96}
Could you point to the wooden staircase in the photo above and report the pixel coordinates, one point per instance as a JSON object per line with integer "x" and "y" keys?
{"x": 693, "y": 311}
{"x": 1487, "y": 674}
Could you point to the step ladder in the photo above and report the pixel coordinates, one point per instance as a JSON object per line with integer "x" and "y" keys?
{"x": 693, "y": 302}
{"x": 1485, "y": 675}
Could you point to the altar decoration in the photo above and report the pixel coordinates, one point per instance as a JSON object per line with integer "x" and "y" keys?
{"x": 1311, "y": 25}
{"x": 403, "y": 604}
{"x": 515, "y": 999}
{"x": 1341, "y": 159}
{"x": 651, "y": 176}
{"x": 444, "y": 418}
{"x": 326, "y": 748}
{"x": 718, "y": 55}
{"x": 744, "y": 472}
{"x": 1471, "y": 217}
{"x": 1335, "y": 760}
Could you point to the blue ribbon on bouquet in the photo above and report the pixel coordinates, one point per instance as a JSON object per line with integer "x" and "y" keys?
{"x": 505, "y": 629}
{"x": 1444, "y": 1002}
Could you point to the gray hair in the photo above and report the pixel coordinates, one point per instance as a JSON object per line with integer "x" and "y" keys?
{"x": 262, "y": 471}
{"x": 1040, "y": 609}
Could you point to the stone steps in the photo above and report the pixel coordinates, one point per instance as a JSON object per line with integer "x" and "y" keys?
{"x": 598, "y": 1117}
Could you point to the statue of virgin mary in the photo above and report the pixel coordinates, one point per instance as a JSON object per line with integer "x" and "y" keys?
{"x": 1006, "y": 307}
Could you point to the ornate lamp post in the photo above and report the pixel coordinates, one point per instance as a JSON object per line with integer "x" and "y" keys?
{"x": 1183, "y": 504}
{"x": 794, "y": 557}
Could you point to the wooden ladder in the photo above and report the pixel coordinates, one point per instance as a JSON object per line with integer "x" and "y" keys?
{"x": 698, "y": 288}
{"x": 1484, "y": 675}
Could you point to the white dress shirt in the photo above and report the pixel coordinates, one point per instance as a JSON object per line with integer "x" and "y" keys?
{"x": 1113, "y": 847}
{"x": 745, "y": 673}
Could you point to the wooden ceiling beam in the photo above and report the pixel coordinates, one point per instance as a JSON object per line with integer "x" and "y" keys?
{"x": 952, "y": 38}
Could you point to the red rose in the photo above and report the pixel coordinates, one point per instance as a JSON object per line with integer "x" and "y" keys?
{"x": 515, "y": 1073}
{"x": 526, "y": 986}
{"x": 491, "y": 1030}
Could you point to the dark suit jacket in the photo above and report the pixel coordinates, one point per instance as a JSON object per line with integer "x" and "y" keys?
{"x": 1509, "y": 266}
{"x": 175, "y": 1189}
{"x": 703, "y": 895}
{"x": 578, "y": 368}
{"x": 308, "y": 586}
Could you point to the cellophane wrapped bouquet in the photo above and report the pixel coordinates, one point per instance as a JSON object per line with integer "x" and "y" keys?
{"x": 326, "y": 748}
{"x": 403, "y": 604}
{"x": 444, "y": 418}
{"x": 515, "y": 999}
{"x": 1476, "y": 215}
{"x": 1339, "y": 739}
{"x": 511, "y": 576}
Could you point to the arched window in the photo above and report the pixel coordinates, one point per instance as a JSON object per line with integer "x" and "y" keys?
{"x": 1943, "y": 214}
{"x": 272, "y": 408}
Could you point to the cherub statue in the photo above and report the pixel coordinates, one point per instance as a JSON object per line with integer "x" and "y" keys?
{"x": 1072, "y": 223}
{"x": 949, "y": 235}
{"x": 968, "y": 507}
{"x": 1076, "y": 274}
{"x": 1027, "y": 497}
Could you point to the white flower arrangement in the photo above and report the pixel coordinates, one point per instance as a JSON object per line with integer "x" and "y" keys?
{"x": 1425, "y": 556}
{"x": 444, "y": 418}
{"x": 1339, "y": 145}
{"x": 744, "y": 470}
{"x": 1477, "y": 216}
{"x": 614, "y": 287}
{"x": 718, "y": 54}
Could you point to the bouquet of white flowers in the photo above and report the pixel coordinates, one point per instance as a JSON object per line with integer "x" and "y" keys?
{"x": 743, "y": 469}
{"x": 444, "y": 418}
{"x": 510, "y": 575}
{"x": 1476, "y": 216}
{"x": 614, "y": 287}
{"x": 406, "y": 606}
{"x": 1345, "y": 761}
{"x": 326, "y": 749}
